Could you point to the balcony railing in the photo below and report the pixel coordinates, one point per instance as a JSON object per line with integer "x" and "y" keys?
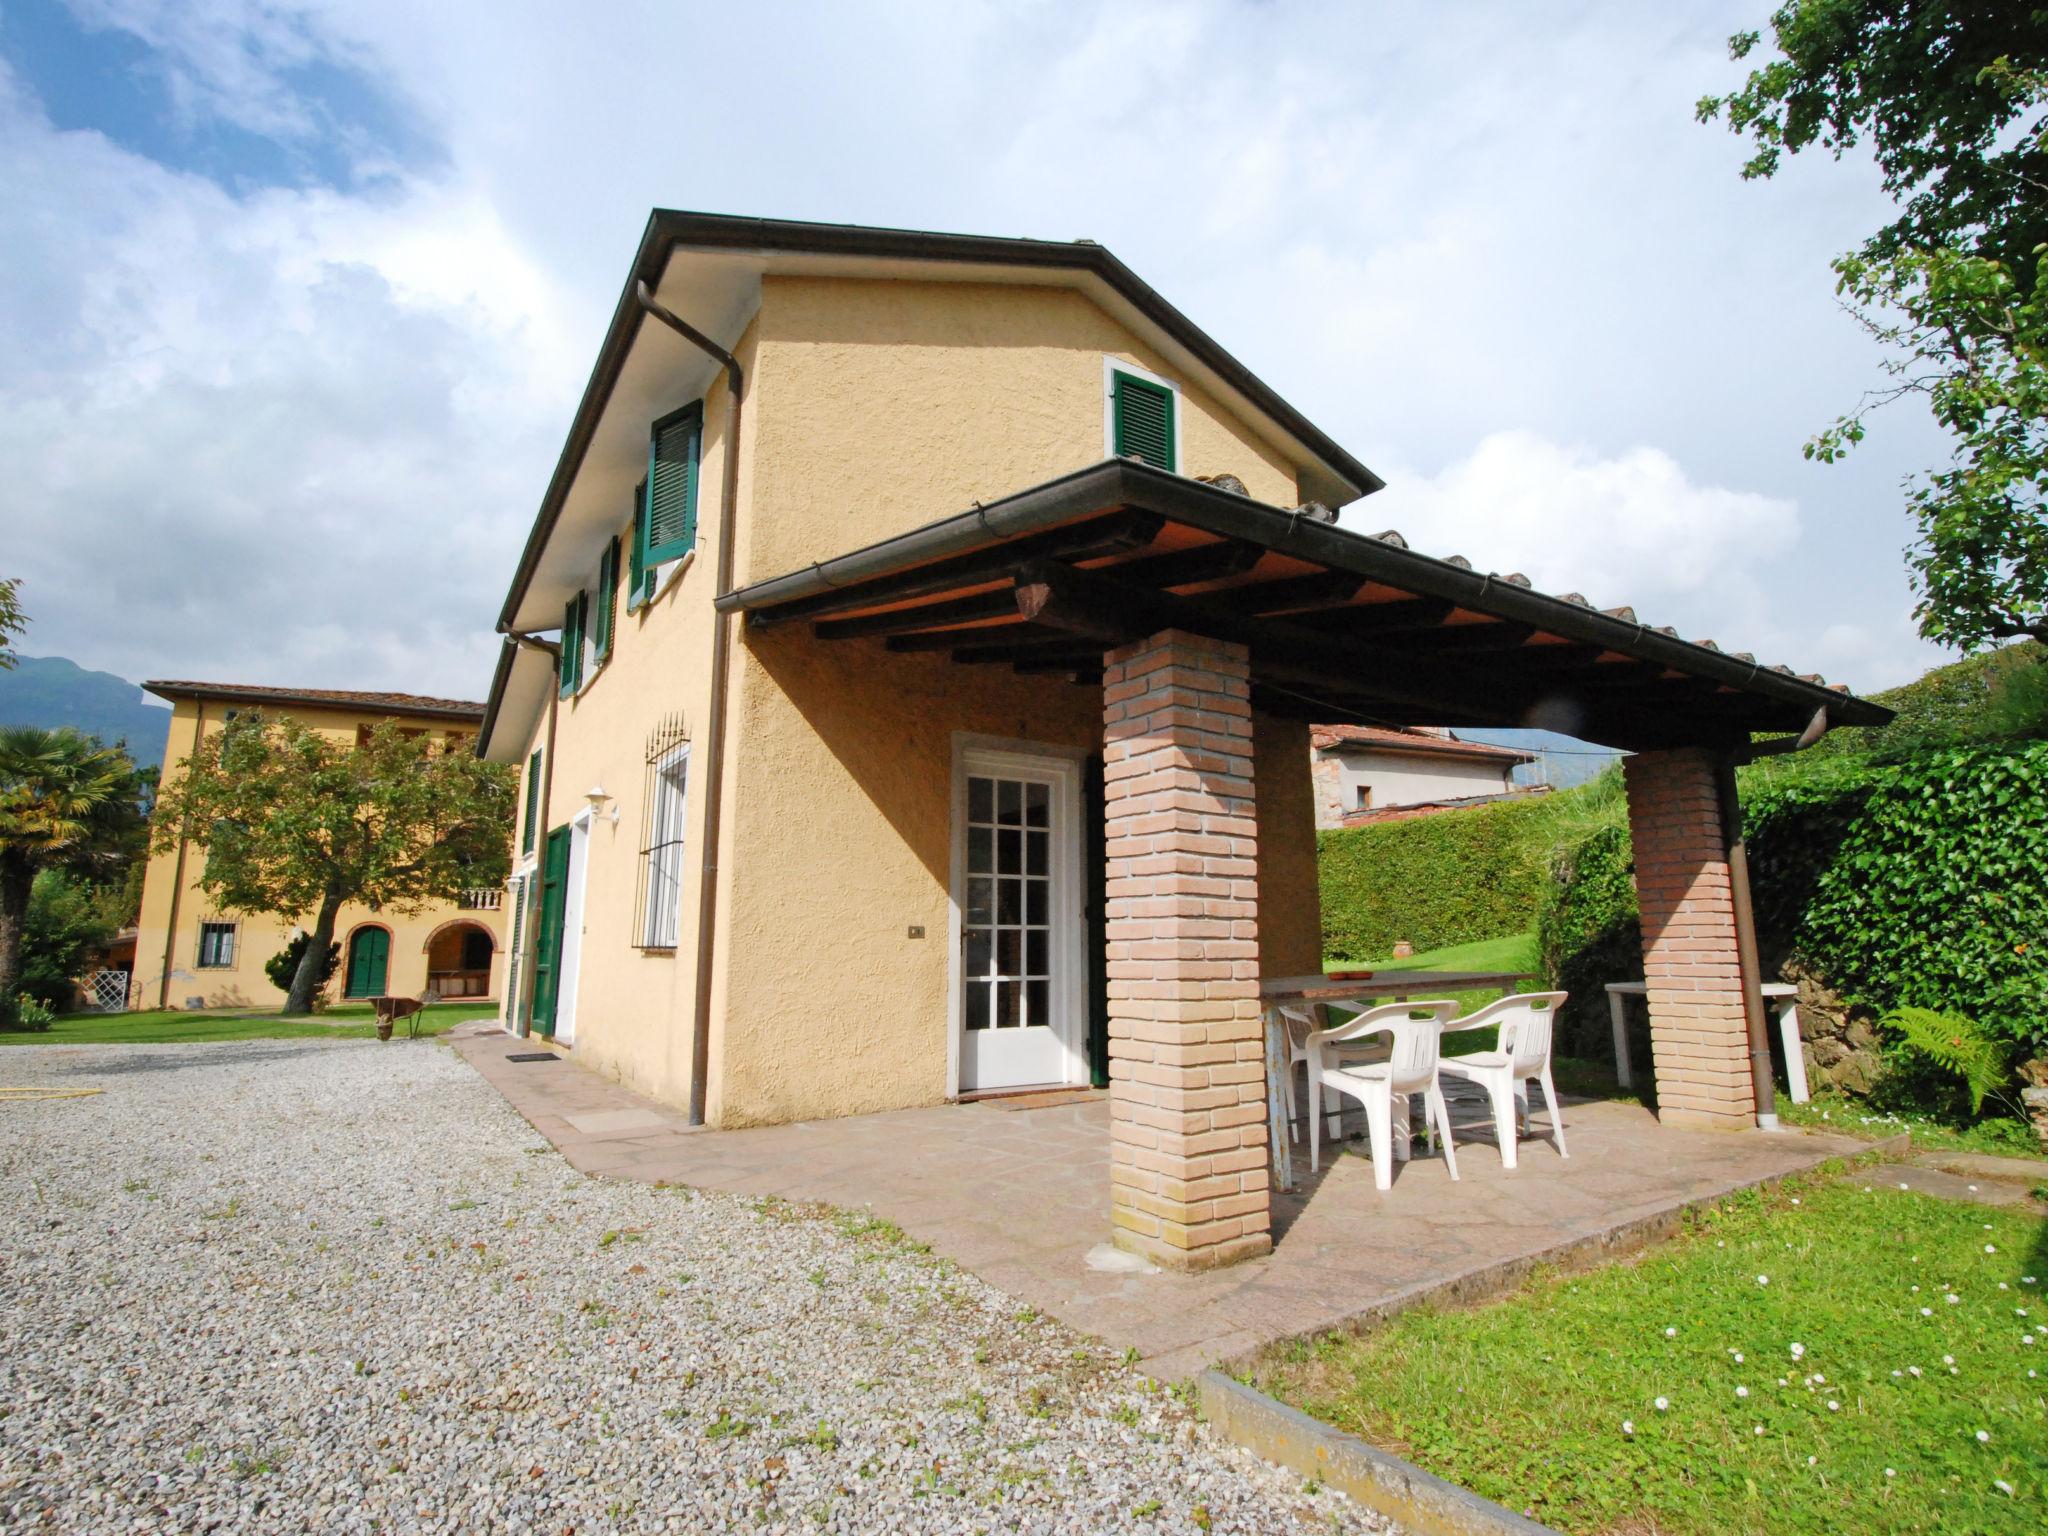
{"x": 482, "y": 899}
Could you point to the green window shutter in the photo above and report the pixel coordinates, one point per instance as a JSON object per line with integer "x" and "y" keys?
{"x": 532, "y": 802}
{"x": 672, "y": 484}
{"x": 572, "y": 645}
{"x": 636, "y": 588}
{"x": 1143, "y": 423}
{"x": 607, "y": 596}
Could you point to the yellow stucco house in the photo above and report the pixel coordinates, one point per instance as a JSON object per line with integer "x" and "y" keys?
{"x": 188, "y": 954}
{"x": 910, "y": 667}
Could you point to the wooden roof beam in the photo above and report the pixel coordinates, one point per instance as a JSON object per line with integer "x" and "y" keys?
{"x": 1117, "y": 533}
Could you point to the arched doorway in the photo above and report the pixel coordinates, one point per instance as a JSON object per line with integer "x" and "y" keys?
{"x": 459, "y": 956}
{"x": 369, "y": 961}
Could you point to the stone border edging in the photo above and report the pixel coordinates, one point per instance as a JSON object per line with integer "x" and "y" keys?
{"x": 1421, "y": 1501}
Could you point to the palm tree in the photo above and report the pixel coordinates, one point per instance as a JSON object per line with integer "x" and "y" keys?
{"x": 65, "y": 800}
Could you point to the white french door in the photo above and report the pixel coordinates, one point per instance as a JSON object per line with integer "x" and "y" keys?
{"x": 1021, "y": 1000}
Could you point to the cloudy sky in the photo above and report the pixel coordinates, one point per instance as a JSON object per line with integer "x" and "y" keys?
{"x": 298, "y": 296}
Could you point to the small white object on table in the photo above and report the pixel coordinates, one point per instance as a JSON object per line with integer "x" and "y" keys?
{"x": 1780, "y": 996}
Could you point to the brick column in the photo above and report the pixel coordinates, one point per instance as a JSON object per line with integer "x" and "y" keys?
{"x": 1188, "y": 1177}
{"x": 1691, "y": 960}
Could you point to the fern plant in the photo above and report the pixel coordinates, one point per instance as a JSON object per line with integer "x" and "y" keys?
{"x": 1958, "y": 1046}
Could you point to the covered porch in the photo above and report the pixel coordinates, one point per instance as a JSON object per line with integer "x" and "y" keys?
{"x": 1021, "y": 1198}
{"x": 1198, "y": 614}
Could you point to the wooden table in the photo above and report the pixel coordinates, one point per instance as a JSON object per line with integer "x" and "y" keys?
{"x": 1781, "y": 996}
{"x": 1385, "y": 986}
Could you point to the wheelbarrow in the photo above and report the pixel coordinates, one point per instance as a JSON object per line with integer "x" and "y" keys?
{"x": 390, "y": 1010}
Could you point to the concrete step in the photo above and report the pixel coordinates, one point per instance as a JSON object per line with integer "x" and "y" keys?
{"x": 2027, "y": 1171}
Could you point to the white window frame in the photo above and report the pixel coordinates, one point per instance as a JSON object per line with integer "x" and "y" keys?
{"x": 661, "y": 911}
{"x": 1111, "y": 367}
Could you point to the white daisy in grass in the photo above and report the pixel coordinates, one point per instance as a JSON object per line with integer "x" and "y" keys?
{"x": 1833, "y": 1406}
{"x": 2002, "y": 1486}
{"x": 2020, "y": 1311}
{"x": 1795, "y": 1199}
{"x": 2026, "y": 1338}
{"x": 1662, "y": 1404}
{"x": 1890, "y": 1471}
{"x": 2026, "y": 1279}
{"x": 1927, "y": 1311}
{"x": 1820, "y": 1378}
{"x": 1983, "y": 1437}
{"x": 1991, "y": 1248}
{"x": 1742, "y": 1391}
{"x": 1904, "y": 1185}
{"x": 1758, "y": 1430}
{"x": 1897, "y": 1374}
{"x": 1763, "y": 1279}
{"x": 1912, "y": 1370}
{"x": 1737, "y": 1354}
{"x": 1798, "y": 1350}
{"x": 1670, "y": 1333}
{"x": 1952, "y": 1299}
{"x": 1948, "y": 1359}
{"x": 1783, "y": 1382}
{"x": 1812, "y": 1460}
{"x": 1628, "y": 1426}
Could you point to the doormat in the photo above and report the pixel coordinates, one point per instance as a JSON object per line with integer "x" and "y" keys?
{"x": 533, "y": 1056}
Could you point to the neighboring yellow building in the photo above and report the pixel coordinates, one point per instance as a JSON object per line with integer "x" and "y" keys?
{"x": 188, "y": 954}
{"x": 937, "y": 624}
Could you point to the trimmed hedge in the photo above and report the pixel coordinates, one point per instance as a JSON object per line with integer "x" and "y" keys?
{"x": 1588, "y": 934}
{"x": 1924, "y": 884}
{"x": 1436, "y": 880}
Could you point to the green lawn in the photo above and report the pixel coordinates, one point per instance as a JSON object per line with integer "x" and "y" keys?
{"x": 1828, "y": 1111}
{"x": 1837, "y": 1356}
{"x": 1515, "y": 952}
{"x": 347, "y": 1021}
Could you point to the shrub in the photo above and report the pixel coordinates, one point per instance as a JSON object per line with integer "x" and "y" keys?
{"x": 25, "y": 1013}
{"x": 1921, "y": 887}
{"x": 1451, "y": 878}
{"x": 284, "y": 965}
{"x": 1914, "y": 886}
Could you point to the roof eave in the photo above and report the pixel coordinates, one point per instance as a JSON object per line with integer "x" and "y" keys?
{"x": 1126, "y": 482}
{"x": 668, "y": 228}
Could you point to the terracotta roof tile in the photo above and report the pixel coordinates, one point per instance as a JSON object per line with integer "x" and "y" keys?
{"x": 1430, "y": 743}
{"x": 342, "y": 698}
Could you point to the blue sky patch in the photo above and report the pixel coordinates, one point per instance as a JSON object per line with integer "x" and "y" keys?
{"x": 112, "y": 82}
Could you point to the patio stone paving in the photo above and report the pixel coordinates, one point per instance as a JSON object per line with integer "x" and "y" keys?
{"x": 1020, "y": 1197}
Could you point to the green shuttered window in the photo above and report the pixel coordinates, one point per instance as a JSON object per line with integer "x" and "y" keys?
{"x": 1143, "y": 421}
{"x": 574, "y": 616}
{"x": 671, "y": 522}
{"x": 532, "y": 802}
{"x": 607, "y": 599}
{"x": 641, "y": 585}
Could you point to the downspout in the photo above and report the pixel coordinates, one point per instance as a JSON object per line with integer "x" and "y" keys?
{"x": 163, "y": 991}
{"x": 1754, "y": 1014}
{"x": 540, "y": 840}
{"x": 1753, "y": 1011}
{"x": 714, "y": 728}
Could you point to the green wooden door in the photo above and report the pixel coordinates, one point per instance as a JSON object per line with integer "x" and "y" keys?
{"x": 547, "y": 951}
{"x": 369, "y": 951}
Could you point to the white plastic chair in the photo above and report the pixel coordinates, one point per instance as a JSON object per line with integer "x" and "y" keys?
{"x": 1299, "y": 1020}
{"x": 1523, "y": 1053}
{"x": 1415, "y": 1032}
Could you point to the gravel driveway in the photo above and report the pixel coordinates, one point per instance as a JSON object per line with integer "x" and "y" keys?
{"x": 295, "y": 1285}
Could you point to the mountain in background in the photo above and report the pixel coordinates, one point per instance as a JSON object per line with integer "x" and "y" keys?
{"x": 50, "y": 691}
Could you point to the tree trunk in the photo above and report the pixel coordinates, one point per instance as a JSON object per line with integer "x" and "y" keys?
{"x": 300, "y": 999}
{"x": 17, "y": 879}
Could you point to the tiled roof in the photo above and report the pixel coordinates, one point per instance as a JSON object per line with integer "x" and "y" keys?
{"x": 1428, "y": 743}
{"x": 333, "y": 698}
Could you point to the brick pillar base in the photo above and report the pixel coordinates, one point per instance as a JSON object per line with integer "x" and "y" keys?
{"x": 1691, "y": 961}
{"x": 1188, "y": 1179}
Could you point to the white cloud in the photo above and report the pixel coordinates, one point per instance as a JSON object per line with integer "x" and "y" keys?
{"x": 297, "y": 435}
{"x": 1631, "y": 526}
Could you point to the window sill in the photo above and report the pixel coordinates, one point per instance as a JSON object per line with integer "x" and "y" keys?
{"x": 666, "y": 575}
